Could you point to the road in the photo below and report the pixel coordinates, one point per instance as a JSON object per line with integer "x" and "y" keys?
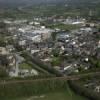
{"x": 73, "y": 77}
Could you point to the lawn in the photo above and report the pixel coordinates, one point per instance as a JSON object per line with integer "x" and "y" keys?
{"x": 25, "y": 66}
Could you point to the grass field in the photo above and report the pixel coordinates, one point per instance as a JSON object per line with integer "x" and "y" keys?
{"x": 54, "y": 96}
{"x": 62, "y": 95}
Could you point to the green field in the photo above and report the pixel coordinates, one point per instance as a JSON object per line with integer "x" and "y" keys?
{"x": 54, "y": 96}
{"x": 62, "y": 95}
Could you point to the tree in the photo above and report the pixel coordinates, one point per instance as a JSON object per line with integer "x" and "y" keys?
{"x": 3, "y": 73}
{"x": 2, "y": 25}
{"x": 98, "y": 64}
{"x": 4, "y": 60}
{"x": 56, "y": 52}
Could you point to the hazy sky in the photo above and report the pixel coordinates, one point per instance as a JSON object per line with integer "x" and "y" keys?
{"x": 7, "y": 2}
{"x": 31, "y": 2}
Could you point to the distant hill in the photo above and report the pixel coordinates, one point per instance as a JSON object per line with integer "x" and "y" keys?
{"x": 17, "y": 3}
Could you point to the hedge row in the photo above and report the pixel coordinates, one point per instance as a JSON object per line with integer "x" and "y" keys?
{"x": 78, "y": 88}
{"x": 41, "y": 76}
